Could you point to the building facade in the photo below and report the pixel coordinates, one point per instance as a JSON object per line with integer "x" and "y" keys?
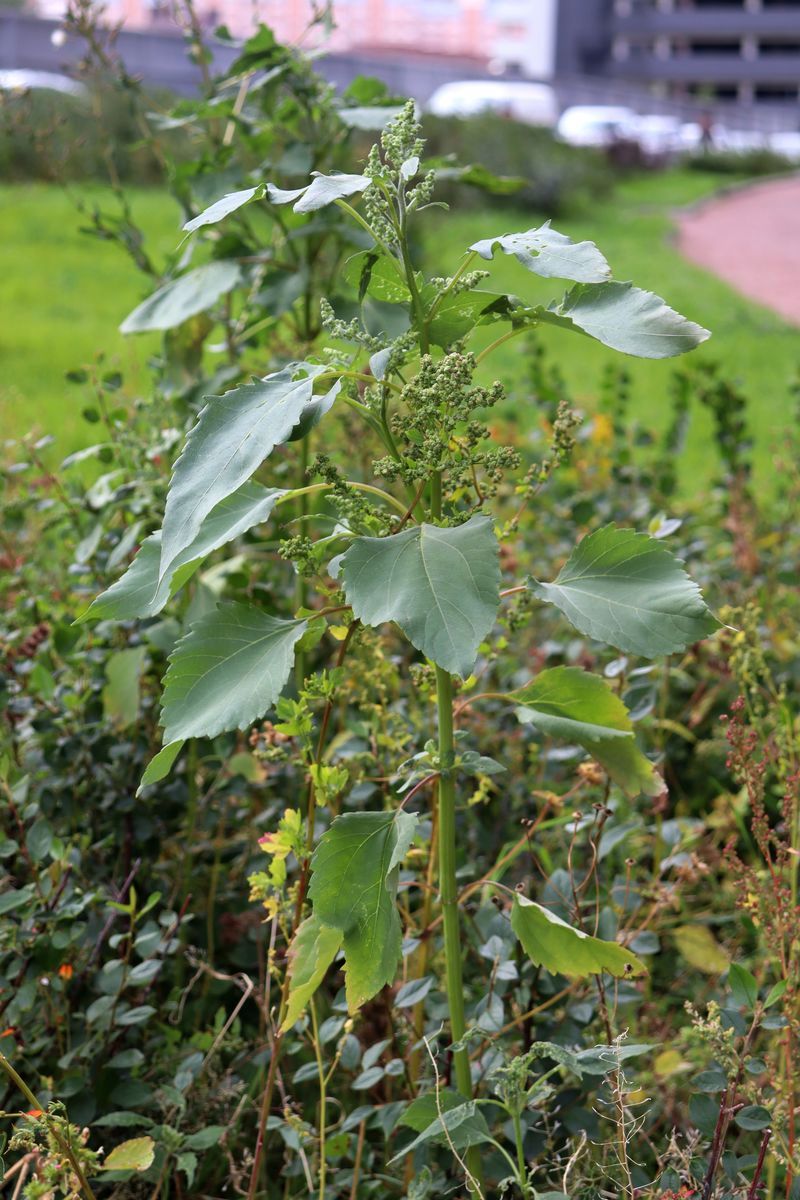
{"x": 745, "y": 50}
{"x": 515, "y": 37}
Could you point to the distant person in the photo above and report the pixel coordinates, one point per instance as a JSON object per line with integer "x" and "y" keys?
{"x": 706, "y": 124}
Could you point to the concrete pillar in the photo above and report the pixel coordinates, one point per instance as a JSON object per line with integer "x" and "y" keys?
{"x": 620, "y": 49}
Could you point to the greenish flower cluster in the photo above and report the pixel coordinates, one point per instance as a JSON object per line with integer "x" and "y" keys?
{"x": 346, "y": 331}
{"x": 435, "y": 431}
{"x": 354, "y": 508}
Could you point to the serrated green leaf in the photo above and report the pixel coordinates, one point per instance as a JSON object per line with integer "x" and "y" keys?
{"x": 550, "y": 254}
{"x": 626, "y": 318}
{"x": 551, "y": 943}
{"x": 323, "y": 190}
{"x": 223, "y": 208}
{"x": 183, "y": 298}
{"x": 441, "y": 586}
{"x": 313, "y": 949}
{"x": 140, "y": 593}
{"x": 233, "y": 435}
{"x": 625, "y": 588}
{"x": 460, "y": 313}
{"x": 464, "y": 1119}
{"x": 160, "y": 765}
{"x": 570, "y": 704}
{"x": 134, "y": 1155}
{"x": 372, "y": 274}
{"x": 353, "y": 889}
{"x": 227, "y": 671}
{"x": 121, "y": 692}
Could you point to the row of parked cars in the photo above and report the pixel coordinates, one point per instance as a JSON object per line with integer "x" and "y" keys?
{"x": 656, "y": 135}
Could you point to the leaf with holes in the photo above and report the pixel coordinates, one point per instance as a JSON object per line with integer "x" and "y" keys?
{"x": 625, "y": 588}
{"x": 570, "y": 704}
{"x": 353, "y": 889}
{"x": 549, "y": 253}
{"x": 625, "y": 318}
{"x": 140, "y": 593}
{"x": 441, "y": 586}
{"x": 551, "y": 943}
{"x": 233, "y": 435}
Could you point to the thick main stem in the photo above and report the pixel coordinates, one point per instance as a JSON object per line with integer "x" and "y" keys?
{"x": 448, "y": 888}
{"x": 448, "y": 894}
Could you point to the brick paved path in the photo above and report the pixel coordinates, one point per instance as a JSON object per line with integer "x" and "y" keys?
{"x": 751, "y": 239}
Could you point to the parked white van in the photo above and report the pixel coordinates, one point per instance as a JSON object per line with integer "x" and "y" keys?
{"x": 531, "y": 103}
{"x": 593, "y": 124}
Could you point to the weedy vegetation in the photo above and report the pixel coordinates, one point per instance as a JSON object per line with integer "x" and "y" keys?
{"x": 386, "y": 810}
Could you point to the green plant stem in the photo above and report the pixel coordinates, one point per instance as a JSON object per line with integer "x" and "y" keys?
{"x": 360, "y": 487}
{"x": 323, "y": 1097}
{"x": 512, "y": 333}
{"x": 301, "y": 585}
{"x": 521, "y": 1166}
{"x": 448, "y": 887}
{"x": 67, "y": 1150}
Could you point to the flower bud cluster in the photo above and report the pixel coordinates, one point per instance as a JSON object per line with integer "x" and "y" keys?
{"x": 436, "y": 430}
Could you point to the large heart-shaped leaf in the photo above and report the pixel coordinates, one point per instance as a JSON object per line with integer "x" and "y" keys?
{"x": 182, "y": 298}
{"x": 140, "y": 593}
{"x": 227, "y": 671}
{"x": 224, "y": 207}
{"x": 323, "y": 190}
{"x": 441, "y": 586}
{"x": 233, "y": 435}
{"x": 551, "y": 943}
{"x": 353, "y": 889}
{"x": 626, "y": 589}
{"x": 547, "y": 252}
{"x": 625, "y": 318}
{"x": 571, "y": 704}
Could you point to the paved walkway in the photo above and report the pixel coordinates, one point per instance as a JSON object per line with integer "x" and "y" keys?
{"x": 751, "y": 239}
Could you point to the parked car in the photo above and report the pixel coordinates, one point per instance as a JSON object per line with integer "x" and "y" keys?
{"x": 593, "y": 124}
{"x": 32, "y": 81}
{"x": 786, "y": 143}
{"x": 530, "y": 103}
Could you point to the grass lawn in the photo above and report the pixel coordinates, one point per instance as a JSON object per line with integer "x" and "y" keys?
{"x": 63, "y": 295}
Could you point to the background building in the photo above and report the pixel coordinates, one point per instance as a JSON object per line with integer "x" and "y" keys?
{"x": 728, "y": 50}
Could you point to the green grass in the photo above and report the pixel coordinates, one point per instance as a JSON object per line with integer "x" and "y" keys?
{"x": 63, "y": 295}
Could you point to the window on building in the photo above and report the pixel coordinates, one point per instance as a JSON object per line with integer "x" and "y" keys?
{"x": 716, "y": 48}
{"x": 713, "y": 4}
{"x": 776, "y": 93}
{"x": 768, "y": 48}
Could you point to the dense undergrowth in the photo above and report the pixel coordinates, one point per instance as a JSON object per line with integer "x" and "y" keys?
{"x": 145, "y": 976}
